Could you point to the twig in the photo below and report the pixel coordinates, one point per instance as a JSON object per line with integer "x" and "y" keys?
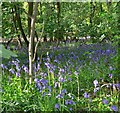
{"x": 36, "y": 46}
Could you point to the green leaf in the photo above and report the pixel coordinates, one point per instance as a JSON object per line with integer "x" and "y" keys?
{"x": 6, "y": 53}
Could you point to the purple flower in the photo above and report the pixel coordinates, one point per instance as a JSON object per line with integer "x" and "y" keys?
{"x": 12, "y": 71}
{"x": 70, "y": 102}
{"x": 104, "y": 101}
{"x": 108, "y": 52}
{"x": 70, "y": 109}
{"x": 38, "y": 58}
{"x": 111, "y": 68}
{"x": 62, "y": 70}
{"x": 50, "y": 89}
{"x": 43, "y": 94}
{"x": 56, "y": 61}
{"x": 114, "y": 108}
{"x": 43, "y": 81}
{"x": 25, "y": 69}
{"x": 96, "y": 89}
{"x": 117, "y": 85}
{"x": 61, "y": 79}
{"x": 66, "y": 102}
{"x": 69, "y": 79}
{"x": 17, "y": 74}
{"x": 110, "y": 75}
{"x": 64, "y": 91}
{"x": 36, "y": 80}
{"x": 95, "y": 82}
{"x": 38, "y": 66}
{"x": 3, "y": 66}
{"x": 57, "y": 106}
{"x": 76, "y": 73}
{"x": 86, "y": 95}
{"x": 47, "y": 65}
{"x": 56, "y": 85}
{"x": 59, "y": 96}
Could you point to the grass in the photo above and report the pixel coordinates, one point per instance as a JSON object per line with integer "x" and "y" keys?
{"x": 64, "y": 80}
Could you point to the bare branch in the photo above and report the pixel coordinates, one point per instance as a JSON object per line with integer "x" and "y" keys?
{"x": 36, "y": 46}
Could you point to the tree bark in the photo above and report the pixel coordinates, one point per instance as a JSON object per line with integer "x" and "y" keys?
{"x": 20, "y": 24}
{"x": 32, "y": 33}
{"x": 92, "y": 10}
{"x": 30, "y": 12}
{"x": 15, "y": 25}
{"x": 58, "y": 22}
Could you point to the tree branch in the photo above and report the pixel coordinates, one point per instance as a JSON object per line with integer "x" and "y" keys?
{"x": 36, "y": 46}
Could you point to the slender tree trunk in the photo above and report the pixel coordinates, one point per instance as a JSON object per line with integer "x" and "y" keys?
{"x": 15, "y": 25}
{"x": 20, "y": 24}
{"x": 30, "y": 12}
{"x": 92, "y": 11}
{"x": 32, "y": 33}
{"x": 58, "y": 22}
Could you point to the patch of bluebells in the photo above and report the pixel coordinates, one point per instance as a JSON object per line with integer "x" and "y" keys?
{"x": 71, "y": 61}
{"x": 41, "y": 84}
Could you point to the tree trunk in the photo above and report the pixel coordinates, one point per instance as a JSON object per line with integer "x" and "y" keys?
{"x": 15, "y": 25}
{"x": 32, "y": 33}
{"x": 92, "y": 10}
{"x": 30, "y": 12}
{"x": 20, "y": 24}
{"x": 58, "y": 22}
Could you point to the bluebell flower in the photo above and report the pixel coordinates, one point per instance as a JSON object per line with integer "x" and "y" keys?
{"x": 57, "y": 106}
{"x": 111, "y": 68}
{"x": 36, "y": 80}
{"x": 62, "y": 70}
{"x": 64, "y": 91}
{"x": 76, "y": 73}
{"x": 56, "y": 85}
{"x": 12, "y": 71}
{"x": 70, "y": 109}
{"x": 104, "y": 101}
{"x": 114, "y": 108}
{"x": 17, "y": 74}
{"x": 117, "y": 85}
{"x": 56, "y": 61}
{"x": 95, "y": 82}
{"x": 66, "y": 102}
{"x": 59, "y": 96}
{"x": 70, "y": 101}
{"x": 25, "y": 69}
{"x": 50, "y": 89}
{"x": 110, "y": 75}
{"x": 43, "y": 94}
{"x": 86, "y": 95}
{"x": 43, "y": 81}
{"x": 108, "y": 52}
{"x": 47, "y": 64}
{"x": 3, "y": 66}
{"x": 38, "y": 58}
{"x": 69, "y": 79}
{"x": 61, "y": 79}
{"x": 38, "y": 66}
{"x": 96, "y": 89}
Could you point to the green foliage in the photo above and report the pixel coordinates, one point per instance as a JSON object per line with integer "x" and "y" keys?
{"x": 6, "y": 53}
{"x": 74, "y": 20}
